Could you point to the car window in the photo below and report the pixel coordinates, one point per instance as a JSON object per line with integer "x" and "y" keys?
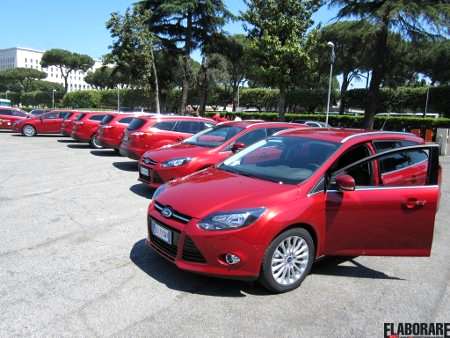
{"x": 252, "y": 136}
{"x": 18, "y": 113}
{"x": 5, "y": 112}
{"x": 136, "y": 123}
{"x": 189, "y": 127}
{"x": 271, "y": 131}
{"x": 401, "y": 160}
{"x": 51, "y": 116}
{"x": 96, "y": 117}
{"x": 363, "y": 174}
{"x": 213, "y": 137}
{"x": 65, "y": 115}
{"x": 79, "y": 117}
{"x": 126, "y": 120}
{"x": 166, "y": 125}
{"x": 106, "y": 119}
{"x": 381, "y": 146}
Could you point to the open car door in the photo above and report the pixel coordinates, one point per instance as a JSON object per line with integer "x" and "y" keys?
{"x": 395, "y": 215}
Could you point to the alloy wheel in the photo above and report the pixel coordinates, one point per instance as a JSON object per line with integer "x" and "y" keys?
{"x": 29, "y": 130}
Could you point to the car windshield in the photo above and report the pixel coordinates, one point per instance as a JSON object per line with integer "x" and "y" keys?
{"x": 213, "y": 137}
{"x": 282, "y": 159}
{"x": 106, "y": 119}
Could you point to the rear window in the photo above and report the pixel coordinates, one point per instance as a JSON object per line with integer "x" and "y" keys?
{"x": 79, "y": 117}
{"x": 126, "y": 120}
{"x": 106, "y": 119}
{"x": 97, "y": 117}
{"x": 166, "y": 125}
{"x": 135, "y": 124}
{"x": 66, "y": 115}
{"x": 189, "y": 127}
{"x": 381, "y": 146}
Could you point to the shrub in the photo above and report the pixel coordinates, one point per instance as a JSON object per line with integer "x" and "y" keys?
{"x": 83, "y": 99}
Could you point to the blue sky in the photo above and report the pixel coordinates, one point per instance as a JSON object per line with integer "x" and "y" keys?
{"x": 79, "y": 25}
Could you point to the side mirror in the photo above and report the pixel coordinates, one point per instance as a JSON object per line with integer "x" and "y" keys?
{"x": 345, "y": 183}
{"x": 237, "y": 147}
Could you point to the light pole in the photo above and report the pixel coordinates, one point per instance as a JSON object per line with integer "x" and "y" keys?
{"x": 7, "y": 94}
{"x": 53, "y": 98}
{"x": 118, "y": 99}
{"x": 426, "y": 102}
{"x": 332, "y": 59}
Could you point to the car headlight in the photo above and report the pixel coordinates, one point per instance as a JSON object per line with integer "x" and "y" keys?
{"x": 158, "y": 191}
{"x": 231, "y": 220}
{"x": 176, "y": 162}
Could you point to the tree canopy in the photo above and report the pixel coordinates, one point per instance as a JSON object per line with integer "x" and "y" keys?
{"x": 20, "y": 79}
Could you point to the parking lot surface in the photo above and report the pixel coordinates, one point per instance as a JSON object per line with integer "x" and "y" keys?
{"x": 73, "y": 263}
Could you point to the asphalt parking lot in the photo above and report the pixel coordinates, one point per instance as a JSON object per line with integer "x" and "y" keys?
{"x": 73, "y": 263}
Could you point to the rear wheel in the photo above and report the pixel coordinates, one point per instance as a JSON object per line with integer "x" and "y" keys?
{"x": 94, "y": 143}
{"x": 28, "y": 130}
{"x": 287, "y": 260}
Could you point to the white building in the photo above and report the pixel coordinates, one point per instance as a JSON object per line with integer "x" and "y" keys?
{"x": 30, "y": 58}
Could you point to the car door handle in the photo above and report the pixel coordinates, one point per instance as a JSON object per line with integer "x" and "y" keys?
{"x": 413, "y": 203}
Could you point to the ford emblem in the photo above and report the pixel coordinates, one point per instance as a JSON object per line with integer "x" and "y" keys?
{"x": 167, "y": 212}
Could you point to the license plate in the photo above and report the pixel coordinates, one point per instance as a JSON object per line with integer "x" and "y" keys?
{"x": 161, "y": 232}
{"x": 144, "y": 171}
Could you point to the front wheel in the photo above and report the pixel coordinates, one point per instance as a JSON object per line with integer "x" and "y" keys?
{"x": 28, "y": 130}
{"x": 94, "y": 143}
{"x": 287, "y": 260}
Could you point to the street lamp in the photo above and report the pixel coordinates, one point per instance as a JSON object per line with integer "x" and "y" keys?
{"x": 332, "y": 59}
{"x": 118, "y": 98}
{"x": 53, "y": 98}
{"x": 7, "y": 94}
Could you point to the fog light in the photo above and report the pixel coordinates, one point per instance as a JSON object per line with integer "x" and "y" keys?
{"x": 232, "y": 259}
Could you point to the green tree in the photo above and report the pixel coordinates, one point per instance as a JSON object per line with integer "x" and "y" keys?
{"x": 20, "y": 79}
{"x": 103, "y": 78}
{"x": 133, "y": 47}
{"x": 432, "y": 58}
{"x": 412, "y": 17}
{"x": 183, "y": 26}
{"x": 67, "y": 62}
{"x": 278, "y": 41}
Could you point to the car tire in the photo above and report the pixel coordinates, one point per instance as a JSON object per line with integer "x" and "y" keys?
{"x": 287, "y": 260}
{"x": 94, "y": 143}
{"x": 28, "y": 130}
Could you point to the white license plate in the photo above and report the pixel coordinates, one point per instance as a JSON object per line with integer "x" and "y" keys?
{"x": 144, "y": 171}
{"x": 161, "y": 232}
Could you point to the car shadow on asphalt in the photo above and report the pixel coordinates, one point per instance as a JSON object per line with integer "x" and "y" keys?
{"x": 126, "y": 166}
{"x": 331, "y": 266}
{"x": 39, "y": 135}
{"x": 79, "y": 146}
{"x": 7, "y": 132}
{"x": 67, "y": 141}
{"x": 142, "y": 190}
{"x": 167, "y": 273}
{"x": 105, "y": 153}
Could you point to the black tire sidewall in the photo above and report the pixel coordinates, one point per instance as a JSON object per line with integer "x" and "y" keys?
{"x": 94, "y": 143}
{"x": 266, "y": 277}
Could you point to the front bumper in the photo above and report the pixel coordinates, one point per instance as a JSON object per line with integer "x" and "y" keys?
{"x": 80, "y": 137}
{"x": 200, "y": 251}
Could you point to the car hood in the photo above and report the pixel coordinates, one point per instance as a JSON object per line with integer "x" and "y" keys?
{"x": 176, "y": 151}
{"x": 212, "y": 190}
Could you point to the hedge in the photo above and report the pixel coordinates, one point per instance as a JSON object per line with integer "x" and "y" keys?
{"x": 351, "y": 121}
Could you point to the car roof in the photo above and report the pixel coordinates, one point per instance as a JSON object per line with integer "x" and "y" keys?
{"x": 261, "y": 124}
{"x": 344, "y": 135}
{"x": 174, "y": 117}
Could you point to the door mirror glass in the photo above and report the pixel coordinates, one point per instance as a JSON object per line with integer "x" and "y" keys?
{"x": 345, "y": 183}
{"x": 238, "y": 146}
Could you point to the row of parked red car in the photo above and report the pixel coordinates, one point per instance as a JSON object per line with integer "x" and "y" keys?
{"x": 255, "y": 199}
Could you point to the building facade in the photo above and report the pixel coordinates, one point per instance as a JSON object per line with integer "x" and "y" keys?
{"x": 30, "y": 58}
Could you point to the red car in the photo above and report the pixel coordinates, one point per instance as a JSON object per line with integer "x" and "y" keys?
{"x": 86, "y": 125}
{"x": 152, "y": 132}
{"x": 271, "y": 210}
{"x": 204, "y": 149}
{"x": 45, "y": 123}
{"x": 67, "y": 125}
{"x": 9, "y": 116}
{"x": 112, "y": 128}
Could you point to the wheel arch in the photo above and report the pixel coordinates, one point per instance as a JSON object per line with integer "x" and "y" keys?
{"x": 308, "y": 227}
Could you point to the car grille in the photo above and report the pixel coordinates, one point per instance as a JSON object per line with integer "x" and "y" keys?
{"x": 191, "y": 253}
{"x": 149, "y": 161}
{"x": 169, "y": 250}
{"x": 182, "y": 218}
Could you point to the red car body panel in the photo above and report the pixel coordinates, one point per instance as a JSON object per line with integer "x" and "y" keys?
{"x": 201, "y": 157}
{"x": 10, "y": 116}
{"x": 46, "y": 123}
{"x": 85, "y": 128}
{"x": 373, "y": 221}
{"x": 67, "y": 125}
{"x": 111, "y": 134}
{"x": 136, "y": 142}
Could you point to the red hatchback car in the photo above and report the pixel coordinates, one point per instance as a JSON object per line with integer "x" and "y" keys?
{"x": 152, "y": 132}
{"x": 67, "y": 125}
{"x": 9, "y": 116}
{"x": 270, "y": 210}
{"x": 86, "y": 125}
{"x": 112, "y": 128}
{"x": 45, "y": 123}
{"x": 204, "y": 149}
